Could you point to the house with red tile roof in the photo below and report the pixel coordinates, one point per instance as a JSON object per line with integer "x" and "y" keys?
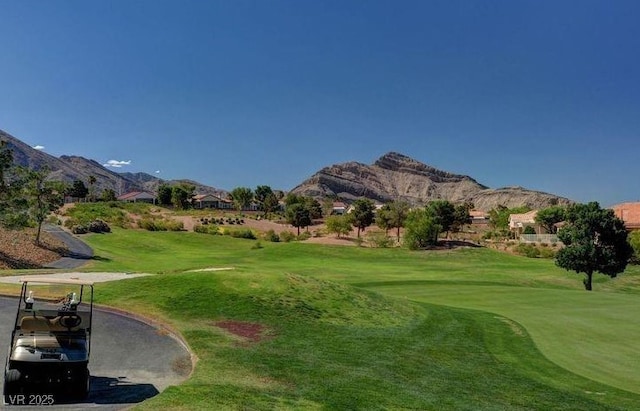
{"x": 629, "y": 213}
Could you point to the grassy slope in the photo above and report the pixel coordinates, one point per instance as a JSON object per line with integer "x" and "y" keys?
{"x": 335, "y": 347}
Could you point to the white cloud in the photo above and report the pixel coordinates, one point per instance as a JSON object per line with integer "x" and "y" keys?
{"x": 38, "y": 147}
{"x": 157, "y": 171}
{"x": 117, "y": 163}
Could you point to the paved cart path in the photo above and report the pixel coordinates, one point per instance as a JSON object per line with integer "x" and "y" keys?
{"x": 130, "y": 361}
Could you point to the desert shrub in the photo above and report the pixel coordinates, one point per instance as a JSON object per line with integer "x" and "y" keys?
{"x": 243, "y": 233}
{"x": 257, "y": 245}
{"x": 206, "y": 229}
{"x": 304, "y": 236}
{"x": 287, "y": 236}
{"x": 527, "y": 250}
{"x": 546, "y": 252}
{"x": 272, "y": 236}
{"x": 173, "y": 225}
{"x": 150, "y": 224}
{"x": 79, "y": 229}
{"x": 98, "y": 226}
{"x": 378, "y": 239}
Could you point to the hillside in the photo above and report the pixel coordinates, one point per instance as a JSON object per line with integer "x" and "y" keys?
{"x": 69, "y": 168}
{"x": 396, "y": 176}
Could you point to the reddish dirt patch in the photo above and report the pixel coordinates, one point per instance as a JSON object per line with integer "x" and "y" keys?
{"x": 250, "y": 331}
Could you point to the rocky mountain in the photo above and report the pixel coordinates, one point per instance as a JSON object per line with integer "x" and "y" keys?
{"x": 396, "y": 176}
{"x": 70, "y": 168}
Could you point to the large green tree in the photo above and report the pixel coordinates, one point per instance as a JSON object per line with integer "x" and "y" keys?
{"x": 443, "y": 214}
{"x": 461, "y": 216}
{"x": 421, "y": 230}
{"x": 338, "y": 224}
{"x": 181, "y": 195}
{"x": 41, "y": 196}
{"x": 77, "y": 190}
{"x": 242, "y": 197}
{"x": 362, "y": 214}
{"x": 549, "y": 217}
{"x": 164, "y": 194}
{"x": 595, "y": 241}
{"x": 298, "y": 216}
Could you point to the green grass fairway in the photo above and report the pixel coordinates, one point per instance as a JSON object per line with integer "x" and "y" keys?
{"x": 356, "y": 328}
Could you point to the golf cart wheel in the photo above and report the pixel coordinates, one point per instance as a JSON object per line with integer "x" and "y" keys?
{"x": 81, "y": 390}
{"x": 11, "y": 383}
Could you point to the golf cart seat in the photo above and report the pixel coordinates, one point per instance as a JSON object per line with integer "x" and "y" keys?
{"x": 34, "y": 324}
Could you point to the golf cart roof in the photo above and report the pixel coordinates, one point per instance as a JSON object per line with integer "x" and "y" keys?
{"x": 52, "y": 280}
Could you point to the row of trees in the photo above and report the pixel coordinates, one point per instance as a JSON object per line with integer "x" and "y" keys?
{"x": 26, "y": 196}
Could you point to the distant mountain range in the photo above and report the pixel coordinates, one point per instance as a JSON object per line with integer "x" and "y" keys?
{"x": 393, "y": 176}
{"x": 396, "y": 176}
{"x": 71, "y": 168}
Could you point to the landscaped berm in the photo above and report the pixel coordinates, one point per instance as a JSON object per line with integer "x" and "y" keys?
{"x": 294, "y": 325}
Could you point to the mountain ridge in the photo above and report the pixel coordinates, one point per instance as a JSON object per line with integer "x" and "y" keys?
{"x": 397, "y": 176}
{"x": 391, "y": 177}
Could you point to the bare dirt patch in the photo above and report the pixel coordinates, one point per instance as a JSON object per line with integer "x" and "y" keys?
{"x": 252, "y": 332}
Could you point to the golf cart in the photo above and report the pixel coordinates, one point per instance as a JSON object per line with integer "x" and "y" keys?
{"x": 50, "y": 342}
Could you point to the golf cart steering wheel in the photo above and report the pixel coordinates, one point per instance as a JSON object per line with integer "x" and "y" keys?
{"x": 70, "y": 321}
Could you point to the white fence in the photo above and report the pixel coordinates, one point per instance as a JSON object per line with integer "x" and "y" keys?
{"x": 539, "y": 238}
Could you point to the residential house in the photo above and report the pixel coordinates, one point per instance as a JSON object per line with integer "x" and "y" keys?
{"x": 629, "y": 213}
{"x": 518, "y": 222}
{"x": 339, "y": 208}
{"x": 206, "y": 201}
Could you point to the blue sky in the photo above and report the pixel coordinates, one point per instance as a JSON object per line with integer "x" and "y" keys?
{"x": 540, "y": 94}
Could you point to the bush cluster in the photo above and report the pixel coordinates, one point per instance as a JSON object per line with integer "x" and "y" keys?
{"x": 272, "y": 236}
{"x": 95, "y": 226}
{"x": 535, "y": 251}
{"x": 206, "y": 229}
{"x": 222, "y": 221}
{"x": 152, "y": 224}
{"x": 242, "y": 233}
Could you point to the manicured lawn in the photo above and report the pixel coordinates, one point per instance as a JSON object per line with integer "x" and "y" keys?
{"x": 355, "y": 328}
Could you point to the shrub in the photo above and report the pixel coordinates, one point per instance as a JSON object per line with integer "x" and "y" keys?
{"x": 98, "y": 226}
{"x": 304, "y": 236}
{"x": 243, "y": 233}
{"x": 529, "y": 230}
{"x": 379, "y": 239}
{"x": 208, "y": 229}
{"x": 547, "y": 252}
{"x": 79, "y": 229}
{"x": 287, "y": 236}
{"x": 150, "y": 224}
{"x": 272, "y": 236}
{"x": 528, "y": 250}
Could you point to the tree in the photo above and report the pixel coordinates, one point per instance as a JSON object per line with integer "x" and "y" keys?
{"x": 9, "y": 200}
{"x": 270, "y": 203}
{"x": 549, "y": 217}
{"x": 634, "y": 240}
{"x": 442, "y": 212}
{"x": 314, "y": 207}
{"x": 362, "y": 214}
{"x": 383, "y": 218}
{"x": 92, "y": 181}
{"x": 108, "y": 195}
{"x": 298, "y": 216}
{"x": 77, "y": 190}
{"x": 338, "y": 224}
{"x": 181, "y": 195}
{"x": 420, "y": 229}
{"x": 164, "y": 194}
{"x": 261, "y": 194}
{"x": 42, "y": 197}
{"x": 461, "y": 216}
{"x": 595, "y": 241}
{"x": 241, "y": 197}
